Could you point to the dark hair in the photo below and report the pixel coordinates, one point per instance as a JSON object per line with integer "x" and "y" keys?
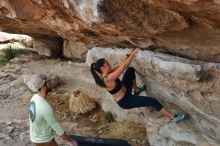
{"x": 96, "y": 67}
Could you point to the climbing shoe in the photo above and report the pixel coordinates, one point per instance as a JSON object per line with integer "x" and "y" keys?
{"x": 179, "y": 118}
{"x": 139, "y": 90}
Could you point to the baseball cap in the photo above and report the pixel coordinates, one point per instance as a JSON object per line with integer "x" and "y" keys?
{"x": 35, "y": 81}
{"x": 39, "y": 80}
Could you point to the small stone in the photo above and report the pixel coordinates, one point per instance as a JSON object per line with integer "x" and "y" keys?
{"x": 22, "y": 136}
{"x": 8, "y": 138}
{"x": 9, "y": 129}
{"x": 100, "y": 132}
{"x": 3, "y": 135}
{"x": 9, "y": 123}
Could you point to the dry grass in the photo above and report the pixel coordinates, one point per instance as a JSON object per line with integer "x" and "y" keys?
{"x": 126, "y": 130}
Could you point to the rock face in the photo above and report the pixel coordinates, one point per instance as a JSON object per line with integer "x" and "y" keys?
{"x": 181, "y": 85}
{"x": 48, "y": 46}
{"x": 14, "y": 132}
{"x": 24, "y": 39}
{"x": 185, "y": 28}
{"x": 189, "y": 28}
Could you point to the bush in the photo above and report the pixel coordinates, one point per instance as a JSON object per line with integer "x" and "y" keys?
{"x": 8, "y": 54}
{"x": 109, "y": 117}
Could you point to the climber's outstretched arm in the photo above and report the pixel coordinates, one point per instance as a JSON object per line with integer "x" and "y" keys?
{"x": 120, "y": 69}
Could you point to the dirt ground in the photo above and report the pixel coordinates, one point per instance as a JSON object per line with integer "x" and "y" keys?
{"x": 15, "y": 96}
{"x": 96, "y": 121}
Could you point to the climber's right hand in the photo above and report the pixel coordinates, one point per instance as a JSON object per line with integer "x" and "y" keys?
{"x": 134, "y": 50}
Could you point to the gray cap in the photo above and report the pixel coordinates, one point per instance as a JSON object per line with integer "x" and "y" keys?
{"x": 39, "y": 80}
{"x": 36, "y": 81}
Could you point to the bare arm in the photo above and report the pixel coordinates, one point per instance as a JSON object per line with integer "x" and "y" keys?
{"x": 70, "y": 141}
{"x": 118, "y": 65}
{"x": 65, "y": 137}
{"x": 53, "y": 122}
{"x": 115, "y": 67}
{"x": 118, "y": 71}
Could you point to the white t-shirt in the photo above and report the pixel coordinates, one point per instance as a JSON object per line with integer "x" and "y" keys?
{"x": 42, "y": 120}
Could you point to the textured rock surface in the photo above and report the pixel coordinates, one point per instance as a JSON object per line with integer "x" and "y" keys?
{"x": 180, "y": 93}
{"x": 74, "y": 49}
{"x": 187, "y": 28}
{"x": 14, "y": 132}
{"x": 24, "y": 39}
{"x": 48, "y": 46}
{"x": 176, "y": 82}
{"x": 15, "y": 97}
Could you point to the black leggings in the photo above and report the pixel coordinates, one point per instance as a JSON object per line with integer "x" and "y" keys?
{"x": 133, "y": 101}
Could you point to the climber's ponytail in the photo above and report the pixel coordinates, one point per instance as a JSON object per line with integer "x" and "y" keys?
{"x": 96, "y": 67}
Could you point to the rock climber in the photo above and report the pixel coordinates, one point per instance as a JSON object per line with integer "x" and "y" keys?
{"x": 107, "y": 77}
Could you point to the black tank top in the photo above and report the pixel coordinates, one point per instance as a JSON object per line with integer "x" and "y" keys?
{"x": 117, "y": 87}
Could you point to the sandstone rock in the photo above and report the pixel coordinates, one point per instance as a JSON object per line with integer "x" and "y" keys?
{"x": 47, "y": 46}
{"x": 74, "y": 49}
{"x": 173, "y": 81}
{"x": 148, "y": 60}
{"x": 24, "y": 39}
{"x": 18, "y": 136}
{"x": 162, "y": 133}
{"x": 187, "y": 28}
{"x": 81, "y": 102}
{"x": 9, "y": 129}
{"x": 2, "y": 135}
{"x": 17, "y": 83}
{"x": 2, "y": 143}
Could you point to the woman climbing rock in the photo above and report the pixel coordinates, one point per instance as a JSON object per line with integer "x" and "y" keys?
{"x": 108, "y": 77}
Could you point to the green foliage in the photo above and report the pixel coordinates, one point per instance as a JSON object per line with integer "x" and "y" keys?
{"x": 109, "y": 117}
{"x": 8, "y": 54}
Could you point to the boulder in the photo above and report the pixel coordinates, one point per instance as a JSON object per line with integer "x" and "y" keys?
{"x": 174, "y": 81}
{"x": 48, "y": 46}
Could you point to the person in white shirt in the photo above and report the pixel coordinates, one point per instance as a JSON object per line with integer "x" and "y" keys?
{"x": 42, "y": 119}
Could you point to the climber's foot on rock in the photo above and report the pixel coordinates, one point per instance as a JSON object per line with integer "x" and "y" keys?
{"x": 139, "y": 90}
{"x": 179, "y": 118}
